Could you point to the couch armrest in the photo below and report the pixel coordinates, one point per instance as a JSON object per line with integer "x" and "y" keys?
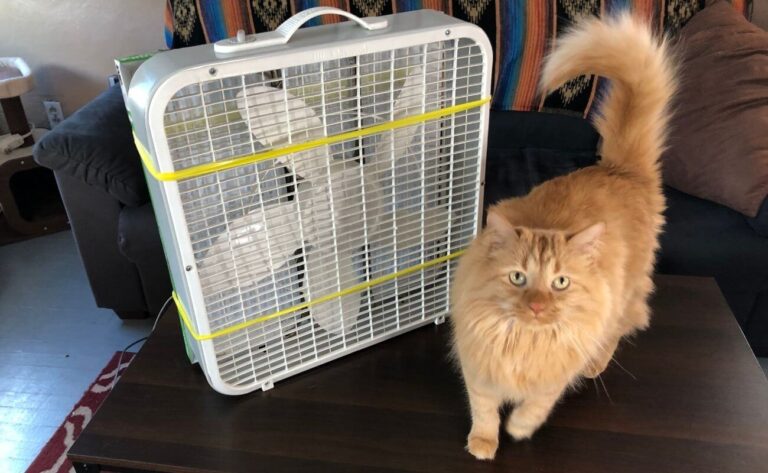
{"x": 95, "y": 145}
{"x": 139, "y": 241}
{"x": 94, "y": 216}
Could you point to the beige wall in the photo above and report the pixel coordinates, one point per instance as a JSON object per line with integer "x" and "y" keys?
{"x": 71, "y": 44}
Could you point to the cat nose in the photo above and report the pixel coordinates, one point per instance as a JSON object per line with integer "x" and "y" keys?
{"x": 536, "y": 307}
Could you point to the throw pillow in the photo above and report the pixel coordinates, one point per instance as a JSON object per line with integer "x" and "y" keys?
{"x": 718, "y": 146}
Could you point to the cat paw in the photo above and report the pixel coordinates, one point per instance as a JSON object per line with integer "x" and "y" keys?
{"x": 482, "y": 448}
{"x": 519, "y": 432}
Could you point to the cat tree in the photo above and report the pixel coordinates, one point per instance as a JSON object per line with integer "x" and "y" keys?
{"x": 29, "y": 200}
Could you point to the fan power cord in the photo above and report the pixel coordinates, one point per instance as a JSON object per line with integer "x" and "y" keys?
{"x": 142, "y": 339}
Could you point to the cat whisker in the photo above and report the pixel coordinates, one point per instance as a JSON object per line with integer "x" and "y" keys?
{"x": 576, "y": 342}
{"x": 613, "y": 357}
{"x": 599, "y": 345}
{"x": 578, "y": 347}
{"x": 605, "y": 389}
{"x": 588, "y": 359}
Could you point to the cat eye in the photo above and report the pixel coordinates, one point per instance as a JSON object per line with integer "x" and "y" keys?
{"x": 561, "y": 283}
{"x": 517, "y": 278}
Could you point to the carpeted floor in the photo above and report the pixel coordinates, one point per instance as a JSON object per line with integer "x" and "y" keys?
{"x": 53, "y": 457}
{"x": 53, "y": 341}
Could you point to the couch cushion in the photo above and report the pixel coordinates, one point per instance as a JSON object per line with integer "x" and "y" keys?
{"x": 528, "y": 148}
{"x": 702, "y": 238}
{"x": 515, "y": 172}
{"x": 760, "y": 221}
{"x": 137, "y": 234}
{"x": 718, "y": 145}
{"x": 95, "y": 145}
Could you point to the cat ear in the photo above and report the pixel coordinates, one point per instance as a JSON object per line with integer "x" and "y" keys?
{"x": 500, "y": 228}
{"x": 498, "y": 223}
{"x": 588, "y": 240}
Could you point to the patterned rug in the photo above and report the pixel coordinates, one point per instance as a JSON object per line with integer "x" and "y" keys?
{"x": 53, "y": 457}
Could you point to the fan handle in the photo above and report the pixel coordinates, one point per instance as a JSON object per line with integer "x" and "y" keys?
{"x": 286, "y": 30}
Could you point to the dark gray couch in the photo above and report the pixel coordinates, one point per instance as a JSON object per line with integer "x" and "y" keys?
{"x": 103, "y": 187}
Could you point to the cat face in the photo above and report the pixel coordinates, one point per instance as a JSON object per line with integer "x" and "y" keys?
{"x": 541, "y": 277}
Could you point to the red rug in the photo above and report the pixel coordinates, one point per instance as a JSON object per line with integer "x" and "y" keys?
{"x": 53, "y": 457}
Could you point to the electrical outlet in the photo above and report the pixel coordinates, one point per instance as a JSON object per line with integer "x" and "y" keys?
{"x": 53, "y": 110}
{"x": 113, "y": 80}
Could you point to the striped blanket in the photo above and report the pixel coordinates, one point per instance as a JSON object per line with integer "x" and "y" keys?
{"x": 521, "y": 32}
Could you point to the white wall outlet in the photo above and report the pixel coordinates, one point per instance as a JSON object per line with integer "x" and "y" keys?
{"x": 53, "y": 110}
{"x": 113, "y": 80}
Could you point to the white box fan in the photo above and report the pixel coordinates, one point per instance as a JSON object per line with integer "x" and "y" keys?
{"x": 313, "y": 186}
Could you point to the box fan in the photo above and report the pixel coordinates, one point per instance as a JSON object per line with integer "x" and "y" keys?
{"x": 313, "y": 187}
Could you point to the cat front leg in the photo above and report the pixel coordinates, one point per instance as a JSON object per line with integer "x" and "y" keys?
{"x": 483, "y": 439}
{"x": 528, "y": 415}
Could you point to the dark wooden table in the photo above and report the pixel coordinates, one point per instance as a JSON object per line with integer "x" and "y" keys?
{"x": 699, "y": 403}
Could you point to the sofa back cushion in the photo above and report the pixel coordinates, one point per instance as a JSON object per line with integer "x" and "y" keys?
{"x": 528, "y": 148}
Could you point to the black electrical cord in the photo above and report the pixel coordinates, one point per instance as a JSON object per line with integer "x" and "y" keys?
{"x": 122, "y": 353}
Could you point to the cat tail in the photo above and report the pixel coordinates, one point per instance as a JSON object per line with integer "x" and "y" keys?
{"x": 634, "y": 115}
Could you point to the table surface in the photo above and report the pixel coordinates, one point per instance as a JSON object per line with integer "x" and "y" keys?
{"x": 698, "y": 402}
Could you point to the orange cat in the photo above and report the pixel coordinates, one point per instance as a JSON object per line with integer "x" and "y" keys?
{"x": 556, "y": 279}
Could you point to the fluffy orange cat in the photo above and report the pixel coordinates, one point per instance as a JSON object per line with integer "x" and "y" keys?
{"x": 548, "y": 289}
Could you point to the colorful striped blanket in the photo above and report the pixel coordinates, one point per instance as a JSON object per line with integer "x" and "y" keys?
{"x": 521, "y": 32}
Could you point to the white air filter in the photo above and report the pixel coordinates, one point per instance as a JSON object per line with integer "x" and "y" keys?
{"x": 313, "y": 187}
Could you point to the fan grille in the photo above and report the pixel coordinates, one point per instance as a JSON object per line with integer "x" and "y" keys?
{"x": 287, "y": 231}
